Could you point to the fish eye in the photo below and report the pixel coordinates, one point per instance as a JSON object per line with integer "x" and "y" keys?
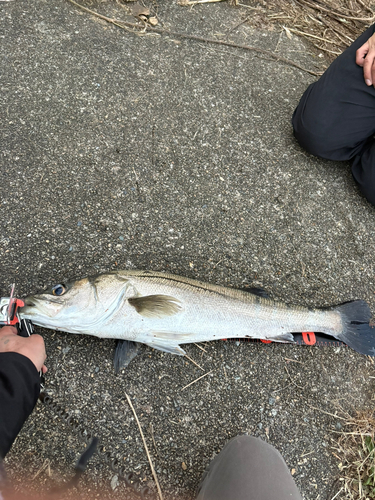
{"x": 58, "y": 290}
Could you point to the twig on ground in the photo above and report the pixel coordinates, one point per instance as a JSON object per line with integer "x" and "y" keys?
{"x": 145, "y": 445}
{"x": 293, "y": 360}
{"x": 192, "y": 360}
{"x": 201, "y": 348}
{"x": 326, "y": 412}
{"x": 326, "y": 50}
{"x": 196, "y": 380}
{"x": 336, "y": 31}
{"x": 337, "y": 494}
{"x": 250, "y": 7}
{"x": 338, "y": 15}
{"x": 312, "y": 36}
{"x": 299, "y": 387}
{"x": 184, "y": 3}
{"x": 151, "y": 427}
{"x": 365, "y": 6}
{"x": 149, "y": 29}
{"x": 46, "y": 464}
{"x": 237, "y": 26}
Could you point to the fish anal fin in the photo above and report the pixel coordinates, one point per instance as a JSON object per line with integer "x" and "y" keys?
{"x": 167, "y": 346}
{"x": 282, "y": 337}
{"x": 156, "y": 306}
{"x": 125, "y": 351}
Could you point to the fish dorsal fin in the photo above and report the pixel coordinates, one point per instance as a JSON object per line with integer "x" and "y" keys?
{"x": 156, "y": 306}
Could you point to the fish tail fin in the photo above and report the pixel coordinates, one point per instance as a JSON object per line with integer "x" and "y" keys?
{"x": 357, "y": 333}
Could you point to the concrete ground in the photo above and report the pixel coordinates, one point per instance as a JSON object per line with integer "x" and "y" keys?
{"x": 121, "y": 150}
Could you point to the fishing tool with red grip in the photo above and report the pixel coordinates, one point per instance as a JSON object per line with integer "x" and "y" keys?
{"x": 9, "y": 317}
{"x": 9, "y": 309}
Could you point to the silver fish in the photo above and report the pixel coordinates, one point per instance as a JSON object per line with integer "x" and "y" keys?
{"x": 164, "y": 311}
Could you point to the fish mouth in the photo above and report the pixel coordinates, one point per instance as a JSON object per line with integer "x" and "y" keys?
{"x": 35, "y": 306}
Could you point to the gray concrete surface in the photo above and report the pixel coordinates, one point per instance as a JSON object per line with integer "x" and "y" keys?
{"x": 150, "y": 152}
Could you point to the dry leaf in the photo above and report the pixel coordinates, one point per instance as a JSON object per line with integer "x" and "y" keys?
{"x": 139, "y": 10}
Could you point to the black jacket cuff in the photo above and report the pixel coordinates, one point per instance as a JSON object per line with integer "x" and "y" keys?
{"x": 19, "y": 391}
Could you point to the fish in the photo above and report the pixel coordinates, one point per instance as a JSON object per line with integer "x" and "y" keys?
{"x": 164, "y": 311}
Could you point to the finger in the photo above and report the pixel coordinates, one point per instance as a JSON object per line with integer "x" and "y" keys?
{"x": 44, "y": 369}
{"x": 368, "y": 67}
{"x": 8, "y": 330}
{"x": 37, "y": 343}
{"x": 361, "y": 53}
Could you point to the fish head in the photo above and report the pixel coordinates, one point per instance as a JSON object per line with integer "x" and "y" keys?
{"x": 77, "y": 307}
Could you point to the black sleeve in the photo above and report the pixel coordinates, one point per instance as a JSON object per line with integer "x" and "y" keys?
{"x": 19, "y": 391}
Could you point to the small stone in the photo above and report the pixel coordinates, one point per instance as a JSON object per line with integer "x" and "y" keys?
{"x": 271, "y": 401}
{"x": 114, "y": 482}
{"x": 184, "y": 466}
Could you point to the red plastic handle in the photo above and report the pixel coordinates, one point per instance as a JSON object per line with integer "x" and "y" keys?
{"x": 16, "y": 303}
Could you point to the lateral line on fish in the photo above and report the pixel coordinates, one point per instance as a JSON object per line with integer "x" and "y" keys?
{"x": 208, "y": 287}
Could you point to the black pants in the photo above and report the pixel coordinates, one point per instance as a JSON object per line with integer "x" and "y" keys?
{"x": 248, "y": 469}
{"x": 335, "y": 118}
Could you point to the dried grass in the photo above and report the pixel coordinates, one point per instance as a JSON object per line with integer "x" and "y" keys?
{"x": 355, "y": 450}
{"x": 334, "y": 23}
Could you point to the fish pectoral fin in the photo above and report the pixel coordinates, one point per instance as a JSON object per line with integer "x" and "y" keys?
{"x": 167, "y": 346}
{"x": 125, "y": 351}
{"x": 156, "y": 306}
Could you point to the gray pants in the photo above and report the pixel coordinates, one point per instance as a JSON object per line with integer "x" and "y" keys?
{"x": 248, "y": 469}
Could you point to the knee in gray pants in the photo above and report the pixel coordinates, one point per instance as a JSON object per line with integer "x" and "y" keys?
{"x": 248, "y": 469}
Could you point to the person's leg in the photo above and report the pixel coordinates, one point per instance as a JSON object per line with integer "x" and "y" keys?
{"x": 363, "y": 170}
{"x": 336, "y": 114}
{"x": 248, "y": 469}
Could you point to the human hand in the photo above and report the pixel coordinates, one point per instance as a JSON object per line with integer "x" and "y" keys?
{"x": 32, "y": 347}
{"x": 365, "y": 57}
